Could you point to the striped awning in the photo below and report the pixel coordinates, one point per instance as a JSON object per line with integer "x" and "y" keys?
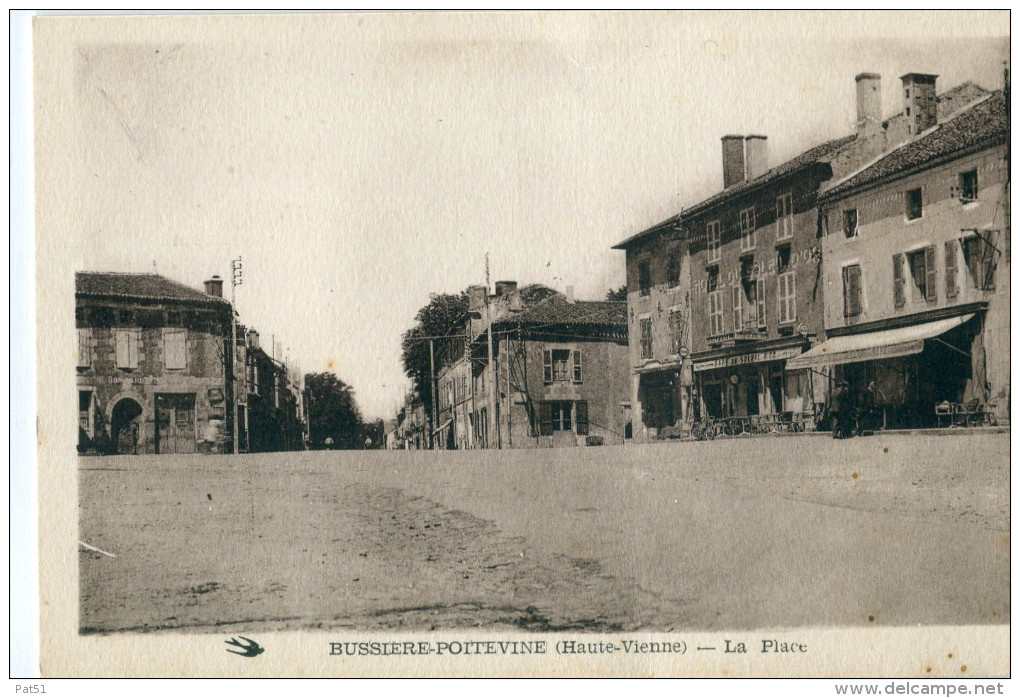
{"x": 871, "y": 346}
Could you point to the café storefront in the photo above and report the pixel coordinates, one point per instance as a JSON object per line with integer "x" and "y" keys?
{"x": 753, "y": 383}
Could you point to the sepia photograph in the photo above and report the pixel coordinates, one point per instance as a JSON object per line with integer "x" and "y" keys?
{"x": 524, "y": 344}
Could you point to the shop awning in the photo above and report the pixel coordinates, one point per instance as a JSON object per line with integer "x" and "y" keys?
{"x": 655, "y": 366}
{"x": 886, "y": 344}
{"x": 441, "y": 427}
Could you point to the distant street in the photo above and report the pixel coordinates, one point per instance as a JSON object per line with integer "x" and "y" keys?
{"x": 739, "y": 533}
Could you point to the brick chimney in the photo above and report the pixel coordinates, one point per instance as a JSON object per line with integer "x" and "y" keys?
{"x": 476, "y": 298}
{"x": 756, "y": 156}
{"x": 732, "y": 160}
{"x": 570, "y": 294}
{"x": 214, "y": 286}
{"x": 920, "y": 107}
{"x": 869, "y": 101}
{"x": 505, "y": 287}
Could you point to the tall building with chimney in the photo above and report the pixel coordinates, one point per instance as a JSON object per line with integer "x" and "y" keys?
{"x": 917, "y": 267}
{"x": 752, "y": 257}
{"x": 152, "y": 366}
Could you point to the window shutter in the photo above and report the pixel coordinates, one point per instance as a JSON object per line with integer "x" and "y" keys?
{"x": 582, "y": 417}
{"x": 987, "y": 265}
{"x": 899, "y": 282}
{"x": 952, "y": 289}
{"x": 761, "y": 302}
{"x": 548, "y": 372}
{"x": 577, "y": 366}
{"x": 175, "y": 348}
{"x": 852, "y": 281}
{"x": 84, "y": 348}
{"x": 545, "y": 419}
{"x": 930, "y": 292}
{"x": 738, "y": 314}
{"x": 123, "y": 352}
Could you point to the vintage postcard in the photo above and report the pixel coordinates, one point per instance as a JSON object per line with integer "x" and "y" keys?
{"x": 524, "y": 344}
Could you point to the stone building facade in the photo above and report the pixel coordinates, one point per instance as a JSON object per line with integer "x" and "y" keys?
{"x": 917, "y": 267}
{"x": 152, "y": 365}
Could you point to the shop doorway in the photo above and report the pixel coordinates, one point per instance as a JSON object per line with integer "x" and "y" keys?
{"x": 125, "y": 426}
{"x": 175, "y": 423}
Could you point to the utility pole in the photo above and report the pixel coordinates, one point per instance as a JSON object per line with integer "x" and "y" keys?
{"x": 235, "y": 281}
{"x": 493, "y": 387}
{"x": 432, "y": 389}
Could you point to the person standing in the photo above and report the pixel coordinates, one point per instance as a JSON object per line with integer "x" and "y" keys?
{"x": 866, "y": 409}
{"x": 836, "y": 408}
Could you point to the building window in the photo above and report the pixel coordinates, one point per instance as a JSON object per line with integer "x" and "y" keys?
{"x": 556, "y": 415}
{"x": 557, "y": 365}
{"x": 852, "y": 290}
{"x": 968, "y": 183}
{"x": 737, "y": 292}
{"x": 713, "y": 241}
{"x": 715, "y": 303}
{"x": 175, "y": 348}
{"x": 952, "y": 280}
{"x": 787, "y": 300}
{"x": 128, "y": 342}
{"x": 747, "y": 237}
{"x": 644, "y": 268}
{"x": 125, "y": 317}
{"x": 979, "y": 256}
{"x": 784, "y": 217}
{"x": 577, "y": 366}
{"x": 759, "y": 292}
{"x": 922, "y": 270}
{"x": 850, "y": 222}
{"x": 912, "y": 204}
{"x": 646, "y": 337}
{"x": 783, "y": 257}
{"x": 84, "y": 347}
{"x": 899, "y": 281}
{"x": 673, "y": 269}
{"x": 677, "y": 330}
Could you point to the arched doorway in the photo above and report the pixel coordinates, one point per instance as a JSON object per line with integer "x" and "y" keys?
{"x": 125, "y": 427}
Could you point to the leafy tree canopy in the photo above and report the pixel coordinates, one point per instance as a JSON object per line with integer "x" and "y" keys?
{"x": 617, "y": 294}
{"x": 333, "y": 412}
{"x": 443, "y": 316}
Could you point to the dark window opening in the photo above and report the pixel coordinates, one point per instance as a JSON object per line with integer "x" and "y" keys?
{"x": 713, "y": 279}
{"x": 673, "y": 269}
{"x": 968, "y": 186}
{"x": 645, "y": 276}
{"x": 850, "y": 223}
{"x": 783, "y": 255}
{"x": 912, "y": 202}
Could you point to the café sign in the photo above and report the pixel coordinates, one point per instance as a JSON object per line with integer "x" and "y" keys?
{"x": 757, "y": 357}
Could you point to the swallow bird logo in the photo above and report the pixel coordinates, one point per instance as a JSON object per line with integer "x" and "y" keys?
{"x": 248, "y": 648}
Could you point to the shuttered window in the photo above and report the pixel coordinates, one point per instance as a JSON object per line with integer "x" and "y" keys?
{"x": 545, "y": 419}
{"x": 852, "y": 290}
{"x": 175, "y": 348}
{"x": 952, "y": 282}
{"x": 787, "y": 301}
{"x": 760, "y": 295}
{"x": 899, "y": 281}
{"x": 930, "y": 274}
{"x": 577, "y": 366}
{"x": 127, "y": 348}
{"x": 547, "y": 372}
{"x": 738, "y": 307}
{"x": 646, "y": 337}
{"x": 784, "y": 217}
{"x": 715, "y": 312}
{"x": 84, "y": 347}
{"x": 581, "y": 409}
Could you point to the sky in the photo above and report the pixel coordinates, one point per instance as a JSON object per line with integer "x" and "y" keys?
{"x": 359, "y": 162}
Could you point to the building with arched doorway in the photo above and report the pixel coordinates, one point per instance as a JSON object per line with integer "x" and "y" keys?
{"x": 153, "y": 365}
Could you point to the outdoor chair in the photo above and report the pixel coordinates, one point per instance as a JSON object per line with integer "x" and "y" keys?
{"x": 969, "y": 413}
{"x": 944, "y": 412}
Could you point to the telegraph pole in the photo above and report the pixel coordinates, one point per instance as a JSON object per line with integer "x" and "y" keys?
{"x": 493, "y": 392}
{"x": 235, "y": 281}
{"x": 432, "y": 389}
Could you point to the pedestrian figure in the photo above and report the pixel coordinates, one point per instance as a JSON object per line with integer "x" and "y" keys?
{"x": 840, "y": 411}
{"x": 866, "y": 409}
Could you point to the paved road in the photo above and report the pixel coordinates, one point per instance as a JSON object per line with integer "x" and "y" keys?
{"x": 744, "y": 533}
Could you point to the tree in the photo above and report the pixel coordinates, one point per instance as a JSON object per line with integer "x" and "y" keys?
{"x": 443, "y": 316}
{"x": 332, "y": 411}
{"x": 617, "y": 294}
